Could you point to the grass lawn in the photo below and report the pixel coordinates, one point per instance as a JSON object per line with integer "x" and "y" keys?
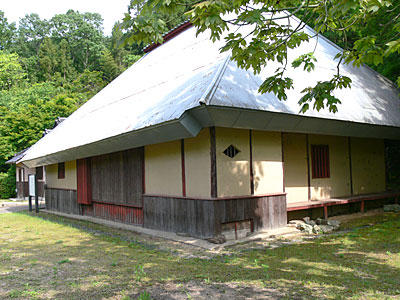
{"x": 59, "y": 258}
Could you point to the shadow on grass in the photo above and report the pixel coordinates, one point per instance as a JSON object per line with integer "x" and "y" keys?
{"x": 73, "y": 259}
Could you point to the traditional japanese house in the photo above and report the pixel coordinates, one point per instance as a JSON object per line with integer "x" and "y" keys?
{"x": 182, "y": 141}
{"x": 22, "y": 175}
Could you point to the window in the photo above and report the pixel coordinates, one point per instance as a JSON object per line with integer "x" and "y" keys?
{"x": 320, "y": 161}
{"x": 21, "y": 175}
{"x": 231, "y": 151}
{"x": 39, "y": 173}
{"x": 61, "y": 170}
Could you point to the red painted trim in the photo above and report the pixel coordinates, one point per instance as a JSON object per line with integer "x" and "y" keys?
{"x": 251, "y": 163}
{"x": 362, "y": 206}
{"x": 168, "y": 36}
{"x": 352, "y": 199}
{"x": 117, "y": 204}
{"x": 320, "y": 161}
{"x": 236, "y": 235}
{"x": 216, "y": 199}
{"x": 326, "y": 212}
{"x": 61, "y": 189}
{"x": 84, "y": 182}
{"x": 183, "y": 168}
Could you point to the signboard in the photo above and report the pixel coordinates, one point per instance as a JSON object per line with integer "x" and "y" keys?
{"x": 32, "y": 185}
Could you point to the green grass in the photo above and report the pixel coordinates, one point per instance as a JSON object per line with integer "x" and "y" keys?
{"x": 45, "y": 256}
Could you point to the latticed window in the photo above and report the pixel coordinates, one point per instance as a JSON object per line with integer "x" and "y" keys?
{"x": 320, "y": 161}
{"x": 231, "y": 151}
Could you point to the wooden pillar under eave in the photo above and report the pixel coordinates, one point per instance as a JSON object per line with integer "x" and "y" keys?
{"x": 84, "y": 183}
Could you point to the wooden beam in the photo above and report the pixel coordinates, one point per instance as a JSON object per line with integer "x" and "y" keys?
{"x": 183, "y": 167}
{"x": 213, "y": 156}
{"x": 351, "y": 167}
{"x": 308, "y": 168}
{"x": 325, "y": 211}
{"x": 251, "y": 163}
{"x": 143, "y": 175}
{"x": 283, "y": 163}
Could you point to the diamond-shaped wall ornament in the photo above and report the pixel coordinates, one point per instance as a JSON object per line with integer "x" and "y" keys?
{"x": 231, "y": 151}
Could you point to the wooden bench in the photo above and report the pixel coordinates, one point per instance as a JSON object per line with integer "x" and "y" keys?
{"x": 341, "y": 201}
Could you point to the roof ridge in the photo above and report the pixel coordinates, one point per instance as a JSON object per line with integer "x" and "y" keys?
{"x": 210, "y": 91}
{"x": 169, "y": 35}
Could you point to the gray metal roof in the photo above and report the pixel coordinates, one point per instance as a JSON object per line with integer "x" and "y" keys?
{"x": 186, "y": 84}
{"x": 17, "y": 157}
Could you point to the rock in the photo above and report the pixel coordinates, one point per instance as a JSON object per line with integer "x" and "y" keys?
{"x": 321, "y": 221}
{"x": 305, "y": 227}
{"x": 184, "y": 234}
{"x": 391, "y": 208}
{"x": 317, "y": 229}
{"x": 326, "y": 228}
{"x": 334, "y": 223}
{"x": 220, "y": 239}
{"x": 295, "y": 223}
{"x": 308, "y": 221}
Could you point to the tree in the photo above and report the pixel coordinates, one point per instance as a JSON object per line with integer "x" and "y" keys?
{"x": 65, "y": 64}
{"x": 108, "y": 66}
{"x": 83, "y": 33}
{"x": 31, "y": 32}
{"x": 48, "y": 58}
{"x": 270, "y": 36}
{"x": 7, "y": 32}
{"x": 11, "y": 72}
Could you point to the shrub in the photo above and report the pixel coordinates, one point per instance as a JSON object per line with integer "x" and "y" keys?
{"x": 7, "y": 184}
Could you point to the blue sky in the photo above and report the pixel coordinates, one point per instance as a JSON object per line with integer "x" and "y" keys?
{"x": 110, "y": 10}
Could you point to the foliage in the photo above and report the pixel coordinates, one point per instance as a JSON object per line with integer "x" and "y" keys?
{"x": 48, "y": 68}
{"x": 7, "y": 184}
{"x": 256, "y": 32}
{"x": 11, "y": 72}
{"x": 7, "y": 32}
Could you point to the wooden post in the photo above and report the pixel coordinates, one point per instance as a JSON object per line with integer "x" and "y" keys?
{"x": 30, "y": 202}
{"x": 325, "y": 212}
{"x": 183, "y": 167}
{"x": 36, "y": 196}
{"x": 362, "y": 206}
{"x": 251, "y": 163}
{"x": 308, "y": 169}
{"x": 350, "y": 166}
{"x": 213, "y": 155}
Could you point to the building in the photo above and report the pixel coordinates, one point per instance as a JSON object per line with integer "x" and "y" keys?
{"x": 182, "y": 141}
{"x": 22, "y": 175}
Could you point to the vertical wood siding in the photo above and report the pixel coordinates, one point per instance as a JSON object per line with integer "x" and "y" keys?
{"x": 112, "y": 212}
{"x": 202, "y": 218}
{"x": 117, "y": 177}
{"x": 84, "y": 182}
{"x": 23, "y": 189}
{"x": 64, "y": 201}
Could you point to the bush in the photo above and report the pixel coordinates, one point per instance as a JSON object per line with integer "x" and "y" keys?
{"x": 7, "y": 184}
